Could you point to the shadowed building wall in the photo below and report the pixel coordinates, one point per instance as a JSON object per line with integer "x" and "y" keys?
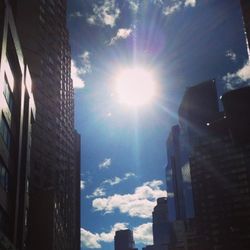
{"x": 45, "y": 39}
{"x": 221, "y": 177}
{"x": 17, "y": 113}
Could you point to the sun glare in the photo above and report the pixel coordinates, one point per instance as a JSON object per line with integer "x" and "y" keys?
{"x": 135, "y": 86}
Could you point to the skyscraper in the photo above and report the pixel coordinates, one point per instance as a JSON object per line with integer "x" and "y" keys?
{"x": 245, "y": 7}
{"x": 45, "y": 39}
{"x": 220, "y": 177}
{"x": 161, "y": 226}
{"x": 180, "y": 197}
{"x": 198, "y": 107}
{"x": 124, "y": 240}
{"x": 17, "y": 113}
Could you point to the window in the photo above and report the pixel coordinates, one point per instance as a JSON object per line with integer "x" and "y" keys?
{"x": 4, "y": 177}
{"x": 7, "y": 93}
{"x": 5, "y": 131}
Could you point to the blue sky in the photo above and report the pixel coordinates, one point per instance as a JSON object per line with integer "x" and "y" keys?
{"x": 123, "y": 151}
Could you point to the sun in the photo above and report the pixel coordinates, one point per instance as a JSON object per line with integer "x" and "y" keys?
{"x": 135, "y": 87}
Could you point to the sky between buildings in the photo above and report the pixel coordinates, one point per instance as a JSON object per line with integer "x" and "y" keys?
{"x": 123, "y": 150}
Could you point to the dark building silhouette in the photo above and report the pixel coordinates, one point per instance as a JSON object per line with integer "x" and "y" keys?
{"x": 161, "y": 225}
{"x": 198, "y": 106}
{"x": 54, "y": 196}
{"x": 245, "y": 7}
{"x": 220, "y": 177}
{"x": 124, "y": 240}
{"x": 17, "y": 114}
{"x": 180, "y": 196}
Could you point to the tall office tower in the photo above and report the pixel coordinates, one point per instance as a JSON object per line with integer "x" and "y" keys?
{"x": 44, "y": 36}
{"x": 179, "y": 188}
{"x": 161, "y": 225}
{"x": 17, "y": 113}
{"x": 198, "y": 107}
{"x": 124, "y": 240}
{"x": 221, "y": 178}
{"x": 245, "y": 7}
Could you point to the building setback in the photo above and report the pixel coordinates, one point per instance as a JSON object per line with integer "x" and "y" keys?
{"x": 54, "y": 198}
{"x": 17, "y": 113}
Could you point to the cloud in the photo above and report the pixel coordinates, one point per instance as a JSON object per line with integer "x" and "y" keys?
{"x": 109, "y": 236}
{"x": 97, "y": 193}
{"x": 142, "y": 234}
{"x": 168, "y": 10}
{"x": 116, "y": 180}
{"x": 78, "y": 72}
{"x": 231, "y": 55}
{"x": 105, "y": 14}
{"x": 177, "y": 5}
{"x": 134, "y": 5}
{"x": 86, "y": 69}
{"x": 82, "y": 184}
{"x": 106, "y": 163}
{"x": 76, "y": 14}
{"x": 121, "y": 34}
{"x": 100, "y": 191}
{"x": 239, "y": 79}
{"x": 138, "y": 204}
{"x": 76, "y": 76}
{"x": 89, "y": 240}
{"x": 191, "y": 3}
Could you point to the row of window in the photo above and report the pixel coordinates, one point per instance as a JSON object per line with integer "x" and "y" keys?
{"x": 4, "y": 127}
{"x": 4, "y": 177}
{"x": 5, "y": 131}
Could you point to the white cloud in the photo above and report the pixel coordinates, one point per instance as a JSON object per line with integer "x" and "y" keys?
{"x": 116, "y": 180}
{"x": 82, "y": 184}
{"x": 168, "y": 10}
{"x": 128, "y": 175}
{"x": 134, "y": 5}
{"x": 100, "y": 191}
{"x": 109, "y": 236}
{"x": 78, "y": 72}
{"x": 89, "y": 240}
{"x": 106, "y": 163}
{"x": 142, "y": 234}
{"x": 97, "y": 193}
{"x": 191, "y": 3}
{"x": 138, "y": 204}
{"x": 121, "y": 34}
{"x": 105, "y": 14}
{"x": 86, "y": 63}
{"x": 76, "y": 14}
{"x": 231, "y": 55}
{"x": 76, "y": 76}
{"x": 177, "y": 5}
{"x": 240, "y": 78}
